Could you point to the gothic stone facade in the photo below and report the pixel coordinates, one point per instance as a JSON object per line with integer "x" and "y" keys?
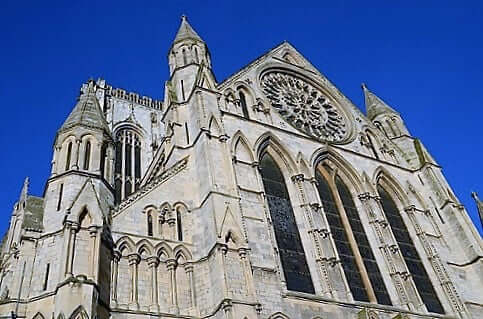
{"x": 268, "y": 195}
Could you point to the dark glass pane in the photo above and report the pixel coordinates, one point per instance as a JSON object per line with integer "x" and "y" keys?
{"x": 410, "y": 254}
{"x": 137, "y": 162}
{"x": 363, "y": 244}
{"x": 127, "y": 167}
{"x": 87, "y": 155}
{"x": 243, "y": 103}
{"x": 291, "y": 252}
{"x": 127, "y": 188}
{"x": 103, "y": 159}
{"x": 67, "y": 160}
{"x": 150, "y": 225}
{"x": 118, "y": 157}
{"x": 179, "y": 226}
{"x": 342, "y": 245}
{"x": 117, "y": 194}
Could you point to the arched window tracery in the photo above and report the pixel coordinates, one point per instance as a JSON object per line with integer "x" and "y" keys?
{"x": 291, "y": 251}
{"x": 358, "y": 261}
{"x": 128, "y": 163}
{"x": 409, "y": 252}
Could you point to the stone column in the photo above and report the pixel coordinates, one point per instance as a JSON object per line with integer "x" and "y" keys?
{"x": 115, "y": 269}
{"x": 94, "y": 232}
{"x": 222, "y": 250}
{"x": 188, "y": 268}
{"x": 66, "y": 250}
{"x": 171, "y": 265}
{"x": 134, "y": 260}
{"x": 76, "y": 154}
{"x": 153, "y": 263}
{"x": 247, "y": 270}
{"x": 227, "y": 307}
{"x": 71, "y": 245}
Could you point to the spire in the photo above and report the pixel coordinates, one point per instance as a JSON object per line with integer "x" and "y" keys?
{"x": 87, "y": 111}
{"x": 374, "y": 105}
{"x": 479, "y": 205}
{"x": 25, "y": 189}
{"x": 185, "y": 31}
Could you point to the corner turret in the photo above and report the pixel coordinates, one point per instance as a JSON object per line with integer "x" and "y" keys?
{"x": 189, "y": 64}
{"x": 383, "y": 116}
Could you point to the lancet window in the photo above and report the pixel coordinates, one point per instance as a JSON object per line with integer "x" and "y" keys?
{"x": 292, "y": 255}
{"x": 128, "y": 163}
{"x": 243, "y": 104}
{"x": 409, "y": 253}
{"x": 87, "y": 155}
{"x": 67, "y": 158}
{"x": 355, "y": 253}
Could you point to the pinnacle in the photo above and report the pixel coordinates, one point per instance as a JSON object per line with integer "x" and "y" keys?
{"x": 374, "y": 104}
{"x": 185, "y": 31}
{"x": 87, "y": 111}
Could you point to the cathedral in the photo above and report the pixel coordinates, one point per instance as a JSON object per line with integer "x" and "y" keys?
{"x": 268, "y": 195}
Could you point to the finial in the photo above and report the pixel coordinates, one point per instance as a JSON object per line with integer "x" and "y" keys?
{"x": 363, "y": 86}
{"x": 184, "y": 17}
{"x": 475, "y": 196}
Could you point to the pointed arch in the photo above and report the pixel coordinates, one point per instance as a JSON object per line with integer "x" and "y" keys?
{"x": 383, "y": 177}
{"x": 85, "y": 218}
{"x": 61, "y": 316}
{"x": 38, "y": 315}
{"x": 326, "y": 155}
{"x": 268, "y": 142}
{"x": 407, "y": 248}
{"x": 214, "y": 127}
{"x": 163, "y": 249}
{"x": 304, "y": 166}
{"x": 279, "y": 315}
{"x": 79, "y": 313}
{"x": 181, "y": 251}
{"x": 144, "y": 246}
{"x": 125, "y": 244}
{"x": 241, "y": 148}
{"x": 287, "y": 235}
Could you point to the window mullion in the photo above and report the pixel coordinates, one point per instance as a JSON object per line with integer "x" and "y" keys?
{"x": 353, "y": 244}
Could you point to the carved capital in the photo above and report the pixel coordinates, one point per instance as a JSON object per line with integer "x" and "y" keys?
{"x": 364, "y": 196}
{"x": 134, "y": 259}
{"x": 188, "y": 267}
{"x": 171, "y": 264}
{"x": 298, "y": 178}
{"x": 243, "y": 252}
{"x": 116, "y": 255}
{"x": 153, "y": 261}
{"x": 315, "y": 207}
{"x": 411, "y": 209}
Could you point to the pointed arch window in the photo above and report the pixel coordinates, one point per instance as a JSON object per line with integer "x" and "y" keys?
{"x": 87, "y": 155}
{"x": 409, "y": 253}
{"x": 185, "y": 58}
{"x": 128, "y": 163}
{"x": 291, "y": 251}
{"x": 150, "y": 224}
{"x": 243, "y": 104}
{"x": 179, "y": 225}
{"x": 355, "y": 253}
{"x": 197, "y": 57}
{"x": 69, "y": 154}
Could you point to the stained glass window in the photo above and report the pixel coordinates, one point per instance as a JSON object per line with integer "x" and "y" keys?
{"x": 87, "y": 155}
{"x": 128, "y": 163}
{"x": 362, "y": 243}
{"x": 343, "y": 247}
{"x": 292, "y": 255}
{"x": 409, "y": 253}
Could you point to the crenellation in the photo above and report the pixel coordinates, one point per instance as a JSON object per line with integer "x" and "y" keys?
{"x": 268, "y": 196}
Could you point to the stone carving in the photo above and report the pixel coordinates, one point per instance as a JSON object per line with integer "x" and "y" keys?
{"x": 304, "y": 106}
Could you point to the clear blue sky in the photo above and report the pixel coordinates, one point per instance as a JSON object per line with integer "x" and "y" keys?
{"x": 425, "y": 58}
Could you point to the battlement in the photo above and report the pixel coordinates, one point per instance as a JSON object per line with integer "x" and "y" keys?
{"x": 129, "y": 96}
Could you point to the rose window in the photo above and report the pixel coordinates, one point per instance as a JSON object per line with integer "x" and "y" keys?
{"x": 304, "y": 106}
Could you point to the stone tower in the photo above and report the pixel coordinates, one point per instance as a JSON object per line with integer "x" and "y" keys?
{"x": 266, "y": 195}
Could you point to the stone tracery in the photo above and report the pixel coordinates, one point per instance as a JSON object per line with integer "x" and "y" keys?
{"x": 304, "y": 106}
